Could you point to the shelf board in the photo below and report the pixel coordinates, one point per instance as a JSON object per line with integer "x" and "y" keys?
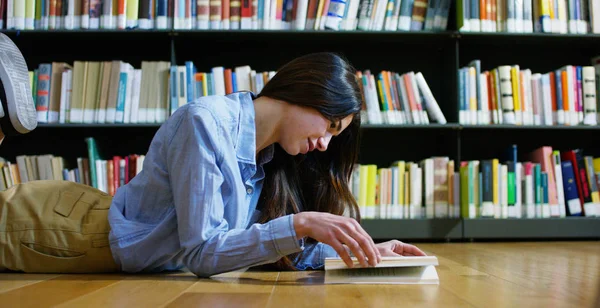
{"x": 435, "y": 126}
{"x": 402, "y": 229}
{"x": 83, "y": 125}
{"x": 529, "y": 38}
{"x": 410, "y": 126}
{"x": 542, "y": 228}
{"x": 530, "y": 127}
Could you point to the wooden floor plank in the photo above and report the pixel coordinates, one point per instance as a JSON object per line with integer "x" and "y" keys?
{"x": 531, "y": 274}
{"x": 11, "y": 281}
{"x": 306, "y": 289}
{"x": 137, "y": 291}
{"x": 524, "y": 274}
{"x": 233, "y": 289}
{"x": 56, "y": 290}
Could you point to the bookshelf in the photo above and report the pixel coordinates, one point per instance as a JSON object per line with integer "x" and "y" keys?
{"x": 438, "y": 55}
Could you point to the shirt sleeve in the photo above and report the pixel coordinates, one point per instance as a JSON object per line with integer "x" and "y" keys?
{"x": 209, "y": 246}
{"x": 313, "y": 256}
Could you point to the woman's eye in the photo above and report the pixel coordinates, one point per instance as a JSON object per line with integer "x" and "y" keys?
{"x": 332, "y": 125}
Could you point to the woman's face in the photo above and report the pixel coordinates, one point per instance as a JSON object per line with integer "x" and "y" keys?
{"x": 305, "y": 130}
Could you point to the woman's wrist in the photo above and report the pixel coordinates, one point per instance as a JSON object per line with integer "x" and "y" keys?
{"x": 300, "y": 225}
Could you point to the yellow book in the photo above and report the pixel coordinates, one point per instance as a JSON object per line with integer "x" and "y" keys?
{"x": 31, "y": 76}
{"x": 379, "y": 196}
{"x": 597, "y": 165}
{"x": 406, "y": 206}
{"x": 590, "y": 166}
{"x": 495, "y": 187}
{"x": 363, "y": 187}
{"x": 545, "y": 15}
{"x": 204, "y": 85}
{"x": 550, "y": 7}
{"x": 132, "y": 13}
{"x": 514, "y": 77}
{"x": 319, "y": 13}
{"x": 382, "y": 104}
{"x": 473, "y": 97}
{"x": 464, "y": 191}
{"x": 401, "y": 166}
{"x": 371, "y": 190}
{"x": 29, "y": 14}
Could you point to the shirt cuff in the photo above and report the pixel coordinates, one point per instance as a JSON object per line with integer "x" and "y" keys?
{"x": 283, "y": 235}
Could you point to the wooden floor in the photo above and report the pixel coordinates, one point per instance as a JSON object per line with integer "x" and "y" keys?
{"x": 550, "y": 274}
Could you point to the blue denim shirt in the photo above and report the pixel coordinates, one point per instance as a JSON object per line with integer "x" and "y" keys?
{"x": 194, "y": 203}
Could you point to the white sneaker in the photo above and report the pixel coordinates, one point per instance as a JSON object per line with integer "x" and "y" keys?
{"x": 17, "y": 112}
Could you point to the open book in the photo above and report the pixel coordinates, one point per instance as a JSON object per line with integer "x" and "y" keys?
{"x": 391, "y": 270}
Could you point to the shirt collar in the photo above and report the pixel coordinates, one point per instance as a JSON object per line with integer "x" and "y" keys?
{"x": 246, "y": 141}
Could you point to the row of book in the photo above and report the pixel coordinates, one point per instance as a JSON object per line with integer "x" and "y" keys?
{"x": 510, "y": 94}
{"x": 549, "y": 184}
{"x": 398, "y": 99}
{"x": 373, "y": 15}
{"x": 105, "y": 175}
{"x": 116, "y": 92}
{"x": 528, "y": 16}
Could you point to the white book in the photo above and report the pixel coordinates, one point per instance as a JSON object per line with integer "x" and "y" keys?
{"x": 519, "y": 189}
{"x": 547, "y": 100}
{"x": 391, "y": 270}
{"x": 483, "y": 97}
{"x": 135, "y": 101}
{"x": 589, "y": 95}
{"x": 301, "y": 11}
{"x": 242, "y": 75}
{"x": 508, "y": 106}
{"x": 129, "y": 94}
{"x": 431, "y": 104}
{"x": 219, "y": 80}
{"x": 60, "y": 118}
{"x": 504, "y": 194}
{"x": 560, "y": 192}
{"x": 10, "y": 11}
{"x": 595, "y": 15}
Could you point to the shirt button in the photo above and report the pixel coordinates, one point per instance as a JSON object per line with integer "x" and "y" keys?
{"x": 249, "y": 191}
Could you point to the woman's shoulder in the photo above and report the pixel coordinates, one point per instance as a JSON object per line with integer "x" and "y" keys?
{"x": 221, "y": 107}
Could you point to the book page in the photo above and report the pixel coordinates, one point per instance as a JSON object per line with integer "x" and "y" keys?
{"x": 393, "y": 275}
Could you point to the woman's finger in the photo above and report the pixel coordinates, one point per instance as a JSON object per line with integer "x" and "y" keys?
{"x": 365, "y": 243}
{"x": 341, "y": 251}
{"x": 354, "y": 247}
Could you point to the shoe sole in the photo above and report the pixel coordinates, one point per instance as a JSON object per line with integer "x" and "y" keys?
{"x": 18, "y": 103}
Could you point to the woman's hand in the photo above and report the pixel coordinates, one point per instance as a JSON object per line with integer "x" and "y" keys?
{"x": 337, "y": 231}
{"x": 396, "y": 248}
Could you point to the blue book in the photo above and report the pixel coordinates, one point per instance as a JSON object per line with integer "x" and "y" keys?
{"x": 120, "y": 115}
{"x": 174, "y": 89}
{"x": 233, "y": 82}
{"x": 190, "y": 71}
{"x": 573, "y": 204}
{"x": 559, "y": 99}
{"x": 210, "y": 90}
{"x": 77, "y": 178}
{"x": 579, "y": 92}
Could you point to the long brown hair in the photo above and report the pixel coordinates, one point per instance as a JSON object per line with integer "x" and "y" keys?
{"x": 317, "y": 181}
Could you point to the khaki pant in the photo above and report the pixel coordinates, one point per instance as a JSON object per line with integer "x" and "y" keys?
{"x": 55, "y": 227}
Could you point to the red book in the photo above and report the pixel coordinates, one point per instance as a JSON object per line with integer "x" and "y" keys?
{"x": 126, "y": 169}
{"x": 2, "y": 9}
{"x": 228, "y": 81}
{"x": 116, "y": 171}
{"x": 580, "y": 178}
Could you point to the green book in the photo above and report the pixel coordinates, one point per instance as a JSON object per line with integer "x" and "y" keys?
{"x": 93, "y": 156}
